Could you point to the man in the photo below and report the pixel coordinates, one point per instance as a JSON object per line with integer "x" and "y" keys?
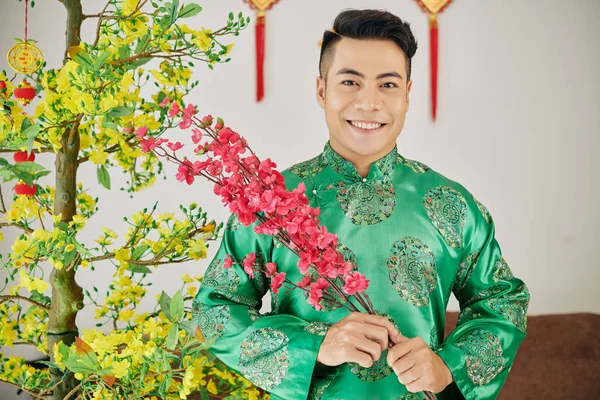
{"x": 415, "y": 234}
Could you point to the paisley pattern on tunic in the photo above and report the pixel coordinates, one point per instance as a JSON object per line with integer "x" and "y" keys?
{"x": 211, "y": 319}
{"x": 484, "y": 355}
{"x": 466, "y": 315}
{"x": 366, "y": 203}
{"x": 220, "y": 277}
{"x": 310, "y": 168}
{"x": 502, "y": 270}
{"x": 380, "y": 368}
{"x": 447, "y": 210}
{"x": 253, "y": 313}
{"x": 413, "y": 396}
{"x": 318, "y": 328}
{"x": 484, "y": 211}
{"x": 412, "y": 270}
{"x": 318, "y": 387}
{"x": 485, "y": 293}
{"x": 465, "y": 269}
{"x": 335, "y": 299}
{"x": 264, "y": 357}
{"x": 513, "y": 309}
{"x": 233, "y": 223}
{"x": 436, "y": 337}
{"x": 416, "y": 166}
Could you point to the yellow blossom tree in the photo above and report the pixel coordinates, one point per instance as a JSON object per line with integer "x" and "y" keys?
{"x": 90, "y": 110}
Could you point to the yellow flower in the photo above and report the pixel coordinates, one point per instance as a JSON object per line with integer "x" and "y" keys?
{"x": 120, "y": 368}
{"x": 125, "y": 315}
{"x": 122, "y": 256}
{"x": 197, "y": 249}
{"x": 1, "y": 237}
{"x": 69, "y": 247}
{"x": 32, "y": 284}
{"x": 211, "y": 387}
{"x": 98, "y": 156}
{"x": 109, "y": 232}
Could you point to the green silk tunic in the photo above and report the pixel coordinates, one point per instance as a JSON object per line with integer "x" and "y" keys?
{"x": 418, "y": 237}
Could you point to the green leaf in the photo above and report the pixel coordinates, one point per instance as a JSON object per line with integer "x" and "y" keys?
{"x": 176, "y": 307}
{"x": 121, "y": 111}
{"x": 83, "y": 359}
{"x": 142, "y": 43}
{"x": 141, "y": 269}
{"x": 124, "y": 52}
{"x": 233, "y": 398}
{"x": 4, "y": 162}
{"x": 139, "y": 251}
{"x": 103, "y": 176}
{"x": 40, "y": 298}
{"x": 83, "y": 58}
{"x": 139, "y": 62}
{"x": 172, "y": 337}
{"x": 101, "y": 60}
{"x": 189, "y": 10}
{"x": 7, "y": 174}
{"x": 28, "y": 166}
{"x": 165, "y": 303}
{"x": 25, "y": 124}
{"x": 204, "y": 393}
{"x": 18, "y": 41}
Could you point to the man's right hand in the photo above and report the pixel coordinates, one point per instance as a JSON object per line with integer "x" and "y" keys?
{"x": 359, "y": 338}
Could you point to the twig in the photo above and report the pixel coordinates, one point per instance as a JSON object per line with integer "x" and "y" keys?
{"x": 20, "y": 387}
{"x": 72, "y": 392}
{"x": 21, "y": 226}
{"x": 4, "y": 298}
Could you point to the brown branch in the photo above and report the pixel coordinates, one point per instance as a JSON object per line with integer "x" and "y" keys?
{"x": 27, "y": 342}
{"x": 19, "y": 386}
{"x": 41, "y": 150}
{"x": 4, "y": 298}
{"x": 114, "y": 148}
{"x": 20, "y": 226}
{"x": 74, "y": 130}
{"x": 2, "y": 202}
{"x": 72, "y": 392}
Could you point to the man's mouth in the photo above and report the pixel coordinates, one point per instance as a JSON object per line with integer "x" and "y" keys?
{"x": 366, "y": 125}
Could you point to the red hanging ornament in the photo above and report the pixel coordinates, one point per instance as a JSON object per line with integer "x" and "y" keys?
{"x": 261, "y": 6}
{"x": 21, "y": 156}
{"x": 24, "y": 93}
{"x": 433, "y": 7}
{"x": 22, "y": 189}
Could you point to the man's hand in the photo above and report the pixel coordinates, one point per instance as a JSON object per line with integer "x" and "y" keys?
{"x": 359, "y": 338}
{"x": 417, "y": 366}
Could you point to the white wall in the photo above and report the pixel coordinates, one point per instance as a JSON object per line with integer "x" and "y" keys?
{"x": 517, "y": 123}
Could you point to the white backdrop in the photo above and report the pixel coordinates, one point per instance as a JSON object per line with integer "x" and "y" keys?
{"x": 517, "y": 124}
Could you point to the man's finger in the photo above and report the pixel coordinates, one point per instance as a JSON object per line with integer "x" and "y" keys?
{"x": 366, "y": 346}
{"x": 404, "y": 364}
{"x": 384, "y": 322}
{"x": 398, "y": 351}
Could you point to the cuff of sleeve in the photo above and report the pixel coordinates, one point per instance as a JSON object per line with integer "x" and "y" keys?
{"x": 303, "y": 352}
{"x": 455, "y": 360}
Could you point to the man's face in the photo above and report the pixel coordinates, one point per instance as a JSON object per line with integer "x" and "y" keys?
{"x": 365, "y": 97}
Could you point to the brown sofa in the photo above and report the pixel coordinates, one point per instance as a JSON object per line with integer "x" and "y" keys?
{"x": 559, "y": 358}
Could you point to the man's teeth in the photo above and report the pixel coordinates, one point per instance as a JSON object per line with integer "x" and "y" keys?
{"x": 363, "y": 125}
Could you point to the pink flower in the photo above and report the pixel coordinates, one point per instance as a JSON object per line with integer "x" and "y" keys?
{"x": 174, "y": 110}
{"x": 188, "y": 114}
{"x": 219, "y": 124}
{"x": 141, "y": 132}
{"x": 196, "y": 136}
{"x": 165, "y": 102}
{"x": 174, "y": 146}
{"x": 277, "y": 281}
{"x": 150, "y": 144}
{"x": 271, "y": 269}
{"x": 248, "y": 264}
{"x": 305, "y": 281}
{"x": 207, "y": 120}
{"x": 355, "y": 283}
{"x": 185, "y": 172}
{"x": 316, "y": 293}
{"x": 228, "y": 262}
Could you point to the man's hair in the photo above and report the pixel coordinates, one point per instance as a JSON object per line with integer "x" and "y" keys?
{"x": 364, "y": 25}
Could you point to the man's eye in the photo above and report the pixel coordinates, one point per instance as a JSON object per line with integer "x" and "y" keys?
{"x": 349, "y": 83}
{"x": 388, "y": 85}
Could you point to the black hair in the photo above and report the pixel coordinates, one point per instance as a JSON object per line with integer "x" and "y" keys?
{"x": 363, "y": 25}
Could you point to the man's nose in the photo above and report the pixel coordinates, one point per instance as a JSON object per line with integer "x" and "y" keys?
{"x": 368, "y": 100}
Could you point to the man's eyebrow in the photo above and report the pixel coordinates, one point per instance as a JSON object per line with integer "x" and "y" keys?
{"x": 350, "y": 71}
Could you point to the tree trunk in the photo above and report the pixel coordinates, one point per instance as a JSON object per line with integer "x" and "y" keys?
{"x": 67, "y": 295}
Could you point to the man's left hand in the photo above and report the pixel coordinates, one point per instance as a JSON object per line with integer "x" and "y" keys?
{"x": 417, "y": 366}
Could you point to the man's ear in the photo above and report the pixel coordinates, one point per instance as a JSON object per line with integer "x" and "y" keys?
{"x": 408, "y": 87}
{"x": 321, "y": 91}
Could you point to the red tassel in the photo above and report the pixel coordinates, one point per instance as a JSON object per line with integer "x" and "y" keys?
{"x": 260, "y": 57}
{"x": 433, "y": 57}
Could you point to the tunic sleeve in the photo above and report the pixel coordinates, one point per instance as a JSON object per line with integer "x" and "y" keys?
{"x": 493, "y": 313}
{"x": 276, "y": 352}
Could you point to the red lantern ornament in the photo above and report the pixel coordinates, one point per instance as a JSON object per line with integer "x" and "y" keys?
{"x": 24, "y": 93}
{"x": 22, "y": 189}
{"x": 3, "y": 88}
{"x": 21, "y": 156}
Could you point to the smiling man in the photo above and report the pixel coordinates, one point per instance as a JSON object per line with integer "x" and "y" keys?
{"x": 417, "y": 236}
